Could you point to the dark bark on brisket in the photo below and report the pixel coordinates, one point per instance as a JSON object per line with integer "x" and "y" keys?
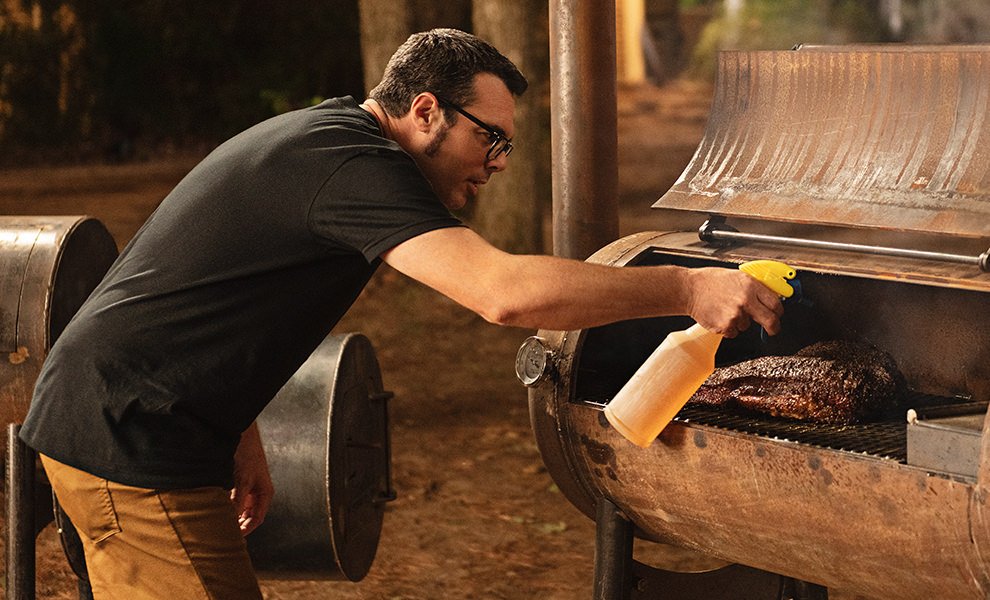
{"x": 835, "y": 382}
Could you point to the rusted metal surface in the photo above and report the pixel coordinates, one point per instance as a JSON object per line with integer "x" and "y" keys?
{"x": 21, "y": 521}
{"x": 583, "y": 126}
{"x": 849, "y": 521}
{"x": 853, "y": 147}
{"x": 888, "y": 138}
{"x": 48, "y": 266}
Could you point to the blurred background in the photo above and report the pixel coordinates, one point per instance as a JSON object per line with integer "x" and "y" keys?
{"x": 107, "y": 82}
{"x": 104, "y": 80}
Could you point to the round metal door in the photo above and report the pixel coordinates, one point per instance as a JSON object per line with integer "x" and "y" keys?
{"x": 326, "y": 437}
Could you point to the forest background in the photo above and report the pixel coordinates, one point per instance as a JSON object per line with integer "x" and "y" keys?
{"x": 98, "y": 80}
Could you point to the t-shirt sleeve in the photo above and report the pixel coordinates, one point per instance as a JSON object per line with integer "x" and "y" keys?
{"x": 376, "y": 200}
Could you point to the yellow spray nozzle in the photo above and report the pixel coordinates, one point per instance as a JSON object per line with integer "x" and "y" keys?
{"x": 772, "y": 274}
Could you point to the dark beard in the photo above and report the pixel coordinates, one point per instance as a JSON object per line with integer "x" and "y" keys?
{"x": 434, "y": 146}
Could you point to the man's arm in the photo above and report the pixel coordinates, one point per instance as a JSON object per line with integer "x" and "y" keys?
{"x": 554, "y": 293}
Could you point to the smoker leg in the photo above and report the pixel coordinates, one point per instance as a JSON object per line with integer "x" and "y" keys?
{"x": 20, "y": 517}
{"x": 26, "y": 518}
{"x": 795, "y": 589}
{"x": 613, "y": 553}
{"x": 619, "y": 577}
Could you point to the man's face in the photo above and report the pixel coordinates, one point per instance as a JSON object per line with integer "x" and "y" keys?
{"x": 455, "y": 160}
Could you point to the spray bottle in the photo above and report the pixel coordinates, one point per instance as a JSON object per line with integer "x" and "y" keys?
{"x": 678, "y": 367}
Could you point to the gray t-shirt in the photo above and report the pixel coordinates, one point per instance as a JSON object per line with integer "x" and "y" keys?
{"x": 227, "y": 289}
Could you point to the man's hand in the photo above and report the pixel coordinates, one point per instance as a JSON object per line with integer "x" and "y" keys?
{"x": 253, "y": 490}
{"x": 724, "y": 301}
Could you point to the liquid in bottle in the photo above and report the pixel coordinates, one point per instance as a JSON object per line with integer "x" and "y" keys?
{"x": 663, "y": 384}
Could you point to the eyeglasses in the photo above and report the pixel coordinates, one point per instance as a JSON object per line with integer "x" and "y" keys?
{"x": 499, "y": 143}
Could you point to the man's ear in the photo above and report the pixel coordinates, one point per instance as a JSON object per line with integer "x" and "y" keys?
{"x": 426, "y": 112}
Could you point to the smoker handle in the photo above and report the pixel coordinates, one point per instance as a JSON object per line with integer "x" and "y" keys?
{"x": 715, "y": 230}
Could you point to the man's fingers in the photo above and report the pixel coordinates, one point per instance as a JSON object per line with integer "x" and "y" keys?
{"x": 767, "y": 310}
{"x": 251, "y": 510}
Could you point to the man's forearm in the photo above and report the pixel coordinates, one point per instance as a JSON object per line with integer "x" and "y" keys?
{"x": 554, "y": 293}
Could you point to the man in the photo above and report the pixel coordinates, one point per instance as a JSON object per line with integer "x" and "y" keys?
{"x": 144, "y": 411}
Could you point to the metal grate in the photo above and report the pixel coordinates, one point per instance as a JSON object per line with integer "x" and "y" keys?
{"x": 884, "y": 439}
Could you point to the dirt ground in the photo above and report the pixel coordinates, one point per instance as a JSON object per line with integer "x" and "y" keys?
{"x": 477, "y": 514}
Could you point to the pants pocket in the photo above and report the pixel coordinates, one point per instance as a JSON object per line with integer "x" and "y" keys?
{"x": 85, "y": 499}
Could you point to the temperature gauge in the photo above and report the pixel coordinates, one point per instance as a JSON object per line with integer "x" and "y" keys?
{"x": 533, "y": 361}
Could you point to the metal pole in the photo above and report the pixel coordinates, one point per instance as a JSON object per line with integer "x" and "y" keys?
{"x": 20, "y": 517}
{"x": 583, "y": 126}
{"x": 710, "y": 232}
{"x": 613, "y": 553}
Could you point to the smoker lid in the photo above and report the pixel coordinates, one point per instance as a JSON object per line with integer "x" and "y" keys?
{"x": 882, "y": 137}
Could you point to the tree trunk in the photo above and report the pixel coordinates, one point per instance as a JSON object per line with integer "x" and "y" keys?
{"x": 663, "y": 40}
{"x": 385, "y": 24}
{"x": 510, "y": 209}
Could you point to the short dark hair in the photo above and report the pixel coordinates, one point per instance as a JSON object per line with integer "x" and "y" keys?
{"x": 443, "y": 62}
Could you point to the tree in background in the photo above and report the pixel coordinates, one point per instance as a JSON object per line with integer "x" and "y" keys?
{"x": 946, "y": 21}
{"x": 102, "y": 77}
{"x": 385, "y": 24}
{"x": 41, "y": 99}
{"x": 512, "y": 205}
{"x": 112, "y": 80}
{"x": 663, "y": 40}
{"x": 782, "y": 24}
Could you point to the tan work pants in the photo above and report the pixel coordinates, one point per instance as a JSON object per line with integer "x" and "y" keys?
{"x": 155, "y": 544}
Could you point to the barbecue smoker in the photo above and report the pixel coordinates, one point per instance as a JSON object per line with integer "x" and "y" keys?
{"x": 868, "y": 170}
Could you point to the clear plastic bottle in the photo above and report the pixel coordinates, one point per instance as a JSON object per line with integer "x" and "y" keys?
{"x": 663, "y": 384}
{"x": 678, "y": 367}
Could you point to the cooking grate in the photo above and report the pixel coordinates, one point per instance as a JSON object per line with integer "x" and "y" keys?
{"x": 884, "y": 439}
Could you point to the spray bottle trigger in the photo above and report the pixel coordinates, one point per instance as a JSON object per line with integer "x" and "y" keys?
{"x": 772, "y": 274}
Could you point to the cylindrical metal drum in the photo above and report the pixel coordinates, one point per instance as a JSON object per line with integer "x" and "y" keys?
{"x": 326, "y": 437}
{"x": 48, "y": 267}
{"x": 840, "y": 506}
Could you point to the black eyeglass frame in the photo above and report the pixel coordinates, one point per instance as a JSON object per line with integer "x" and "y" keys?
{"x": 500, "y": 143}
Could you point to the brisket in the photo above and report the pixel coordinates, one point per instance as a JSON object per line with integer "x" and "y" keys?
{"x": 837, "y": 382}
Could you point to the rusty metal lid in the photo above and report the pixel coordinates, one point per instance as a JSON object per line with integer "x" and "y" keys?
{"x": 892, "y": 138}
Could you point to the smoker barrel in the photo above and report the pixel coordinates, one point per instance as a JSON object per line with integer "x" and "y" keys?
{"x": 837, "y": 506}
{"x": 326, "y": 436}
{"x": 48, "y": 266}
{"x": 856, "y": 147}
